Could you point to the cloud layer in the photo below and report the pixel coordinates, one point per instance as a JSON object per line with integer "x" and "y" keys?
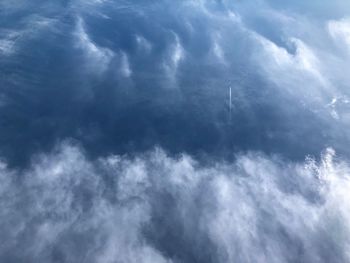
{"x": 154, "y": 208}
{"x": 157, "y": 164}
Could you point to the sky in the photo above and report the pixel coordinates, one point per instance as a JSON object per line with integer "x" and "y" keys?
{"x": 120, "y": 142}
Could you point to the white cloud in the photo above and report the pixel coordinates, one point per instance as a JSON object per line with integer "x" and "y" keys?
{"x": 11, "y": 39}
{"x": 304, "y": 60}
{"x": 125, "y": 69}
{"x": 171, "y": 63}
{"x": 256, "y": 209}
{"x": 177, "y": 53}
{"x": 217, "y": 50}
{"x": 98, "y": 57}
{"x": 300, "y": 74}
{"x": 64, "y": 198}
{"x": 143, "y": 44}
{"x": 340, "y": 32}
{"x": 6, "y": 47}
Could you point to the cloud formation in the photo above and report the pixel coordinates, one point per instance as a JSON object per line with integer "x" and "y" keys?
{"x": 97, "y": 57}
{"x": 164, "y": 70}
{"x": 153, "y": 208}
{"x": 196, "y": 123}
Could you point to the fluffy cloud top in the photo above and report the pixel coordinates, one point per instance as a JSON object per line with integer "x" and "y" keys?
{"x": 153, "y": 208}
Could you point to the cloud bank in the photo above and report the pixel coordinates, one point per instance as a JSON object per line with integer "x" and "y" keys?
{"x": 154, "y": 208}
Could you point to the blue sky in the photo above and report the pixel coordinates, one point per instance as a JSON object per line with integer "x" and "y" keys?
{"x": 119, "y": 143}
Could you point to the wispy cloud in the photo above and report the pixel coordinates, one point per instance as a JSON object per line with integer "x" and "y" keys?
{"x": 98, "y": 57}
{"x": 340, "y": 32}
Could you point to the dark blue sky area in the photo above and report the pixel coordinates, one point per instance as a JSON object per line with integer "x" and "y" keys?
{"x": 124, "y": 77}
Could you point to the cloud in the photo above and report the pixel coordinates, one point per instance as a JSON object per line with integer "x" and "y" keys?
{"x": 125, "y": 69}
{"x": 340, "y": 32}
{"x": 293, "y": 72}
{"x": 110, "y": 63}
{"x": 72, "y": 214}
{"x": 97, "y": 57}
{"x": 113, "y": 61}
{"x": 143, "y": 43}
{"x": 13, "y": 37}
{"x": 6, "y": 47}
{"x": 154, "y": 208}
{"x": 100, "y": 71}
